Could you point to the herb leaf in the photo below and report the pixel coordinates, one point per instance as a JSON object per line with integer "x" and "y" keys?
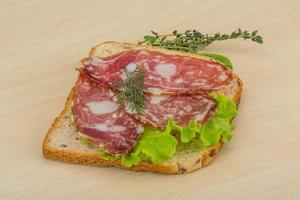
{"x": 150, "y": 39}
{"x": 193, "y": 40}
{"x": 131, "y": 92}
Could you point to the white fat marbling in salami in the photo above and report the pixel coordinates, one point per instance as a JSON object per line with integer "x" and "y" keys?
{"x": 164, "y": 73}
{"x": 101, "y": 120}
{"x": 183, "y": 109}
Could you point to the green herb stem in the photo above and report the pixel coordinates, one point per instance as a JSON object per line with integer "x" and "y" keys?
{"x": 193, "y": 40}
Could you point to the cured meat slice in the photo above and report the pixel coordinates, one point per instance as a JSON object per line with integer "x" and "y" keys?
{"x": 164, "y": 73}
{"x": 183, "y": 109}
{"x": 102, "y": 121}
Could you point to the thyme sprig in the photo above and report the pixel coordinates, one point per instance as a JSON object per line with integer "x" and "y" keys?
{"x": 193, "y": 40}
{"x": 131, "y": 92}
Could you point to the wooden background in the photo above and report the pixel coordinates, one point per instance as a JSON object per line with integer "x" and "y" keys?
{"x": 42, "y": 42}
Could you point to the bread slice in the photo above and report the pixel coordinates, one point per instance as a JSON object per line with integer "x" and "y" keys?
{"x": 62, "y": 141}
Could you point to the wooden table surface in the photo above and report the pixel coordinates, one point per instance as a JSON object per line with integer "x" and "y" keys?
{"x": 43, "y": 41}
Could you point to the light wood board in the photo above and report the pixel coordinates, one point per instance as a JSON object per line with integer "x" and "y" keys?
{"x": 43, "y": 41}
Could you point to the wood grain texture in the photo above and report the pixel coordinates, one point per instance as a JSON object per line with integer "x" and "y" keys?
{"x": 42, "y": 42}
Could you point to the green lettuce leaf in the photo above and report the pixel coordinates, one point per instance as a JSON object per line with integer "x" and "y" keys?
{"x": 214, "y": 130}
{"x": 219, "y": 58}
{"x": 219, "y": 127}
{"x": 186, "y": 133}
{"x": 108, "y": 156}
{"x": 158, "y": 146}
{"x": 85, "y": 141}
{"x": 226, "y": 108}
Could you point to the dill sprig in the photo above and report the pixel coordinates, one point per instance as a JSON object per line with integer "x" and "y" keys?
{"x": 193, "y": 40}
{"x": 131, "y": 92}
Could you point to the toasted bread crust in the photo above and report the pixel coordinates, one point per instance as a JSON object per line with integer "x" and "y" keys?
{"x": 93, "y": 158}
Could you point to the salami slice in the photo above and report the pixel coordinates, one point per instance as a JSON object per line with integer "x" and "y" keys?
{"x": 101, "y": 120}
{"x": 183, "y": 109}
{"x": 164, "y": 73}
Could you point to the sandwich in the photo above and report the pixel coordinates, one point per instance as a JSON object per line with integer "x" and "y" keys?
{"x": 160, "y": 105}
{"x": 178, "y": 122}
